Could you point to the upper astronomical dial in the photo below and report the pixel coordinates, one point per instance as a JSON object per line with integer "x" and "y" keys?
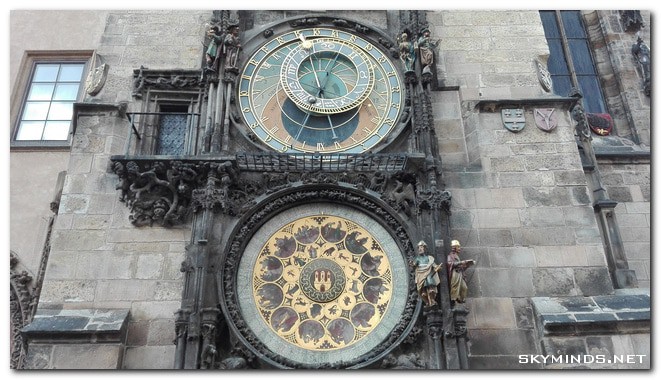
{"x": 327, "y": 75}
{"x": 320, "y": 90}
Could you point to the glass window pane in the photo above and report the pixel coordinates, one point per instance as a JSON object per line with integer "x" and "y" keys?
{"x": 46, "y": 72}
{"x": 30, "y": 130}
{"x": 592, "y": 98}
{"x": 60, "y": 111}
{"x": 580, "y": 53}
{"x": 35, "y": 111}
{"x": 67, "y": 91}
{"x": 571, "y": 20}
{"x": 550, "y": 24}
{"x": 561, "y": 85}
{"x": 41, "y": 91}
{"x": 56, "y": 130}
{"x": 557, "y": 63}
{"x": 71, "y": 73}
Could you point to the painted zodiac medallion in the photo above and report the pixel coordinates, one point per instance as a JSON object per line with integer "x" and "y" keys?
{"x": 322, "y": 282}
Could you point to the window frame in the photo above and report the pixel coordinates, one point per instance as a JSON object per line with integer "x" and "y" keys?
{"x": 568, "y": 56}
{"x": 21, "y": 91}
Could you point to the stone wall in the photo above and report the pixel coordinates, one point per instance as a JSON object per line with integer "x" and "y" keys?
{"x": 98, "y": 258}
{"x": 629, "y": 185}
{"x": 155, "y": 39}
{"x": 30, "y": 195}
{"x": 490, "y": 53}
{"x": 526, "y": 217}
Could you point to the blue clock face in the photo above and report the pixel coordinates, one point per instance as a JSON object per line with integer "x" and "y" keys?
{"x": 327, "y": 76}
{"x": 320, "y": 90}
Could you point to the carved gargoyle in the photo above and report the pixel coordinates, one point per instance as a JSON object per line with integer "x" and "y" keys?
{"x": 402, "y": 197}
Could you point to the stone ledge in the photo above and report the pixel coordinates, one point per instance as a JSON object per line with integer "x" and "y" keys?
{"x": 625, "y": 311}
{"x": 78, "y": 326}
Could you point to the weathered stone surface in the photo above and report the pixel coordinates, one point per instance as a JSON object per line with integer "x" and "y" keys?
{"x": 495, "y": 237}
{"x": 161, "y": 333}
{"x": 39, "y": 356}
{"x": 500, "y": 362}
{"x": 524, "y": 313}
{"x": 149, "y": 357}
{"x": 503, "y": 342}
{"x": 68, "y": 291}
{"x": 593, "y": 281}
{"x": 514, "y": 282}
{"x": 515, "y": 257}
{"x": 137, "y": 333}
{"x": 553, "y": 282}
{"x": 564, "y": 346}
{"x": 542, "y": 216}
{"x": 90, "y": 356}
{"x": 501, "y": 218}
{"x": 493, "y": 313}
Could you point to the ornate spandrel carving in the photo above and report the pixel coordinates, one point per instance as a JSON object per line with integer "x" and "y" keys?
{"x": 217, "y": 194}
{"x": 433, "y": 199}
{"x": 20, "y": 308}
{"x": 401, "y": 192}
{"x": 403, "y": 361}
{"x": 144, "y": 78}
{"x": 157, "y": 191}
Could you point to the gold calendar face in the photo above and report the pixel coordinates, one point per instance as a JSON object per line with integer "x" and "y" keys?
{"x": 320, "y": 90}
{"x": 322, "y": 282}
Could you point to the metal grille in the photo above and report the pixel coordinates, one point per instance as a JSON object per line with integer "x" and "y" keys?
{"x": 338, "y": 162}
{"x": 172, "y": 134}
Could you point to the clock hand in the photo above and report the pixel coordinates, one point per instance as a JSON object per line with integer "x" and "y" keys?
{"x": 315, "y": 75}
{"x": 330, "y": 122}
{"x": 331, "y": 64}
{"x": 298, "y": 134}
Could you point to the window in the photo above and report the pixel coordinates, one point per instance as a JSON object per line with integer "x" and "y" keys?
{"x": 173, "y": 125}
{"x": 570, "y": 62}
{"x": 48, "y": 107}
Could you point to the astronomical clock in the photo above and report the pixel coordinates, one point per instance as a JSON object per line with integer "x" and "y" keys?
{"x": 320, "y": 90}
{"x": 320, "y": 280}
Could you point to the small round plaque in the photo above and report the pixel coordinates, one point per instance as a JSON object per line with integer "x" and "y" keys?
{"x": 322, "y": 280}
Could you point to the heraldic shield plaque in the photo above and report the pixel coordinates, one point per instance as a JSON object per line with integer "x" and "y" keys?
{"x": 322, "y": 285}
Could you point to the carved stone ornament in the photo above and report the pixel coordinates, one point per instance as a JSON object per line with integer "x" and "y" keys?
{"x": 546, "y": 119}
{"x": 544, "y": 76}
{"x": 433, "y": 199}
{"x": 20, "y": 306}
{"x": 144, "y": 78}
{"x": 165, "y": 192}
{"x": 514, "y": 119}
{"x": 632, "y": 20}
{"x": 96, "y": 79}
{"x": 641, "y": 54}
